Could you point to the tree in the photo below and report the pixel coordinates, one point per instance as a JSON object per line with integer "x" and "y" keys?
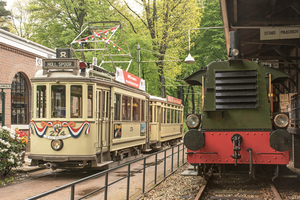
{"x": 166, "y": 23}
{"x": 4, "y": 15}
{"x": 20, "y": 17}
{"x": 57, "y": 22}
{"x": 211, "y": 45}
{"x": 205, "y": 47}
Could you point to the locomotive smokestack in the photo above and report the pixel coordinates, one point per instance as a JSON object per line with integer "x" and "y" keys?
{"x": 234, "y": 45}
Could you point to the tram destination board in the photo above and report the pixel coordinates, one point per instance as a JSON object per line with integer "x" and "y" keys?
{"x": 60, "y": 64}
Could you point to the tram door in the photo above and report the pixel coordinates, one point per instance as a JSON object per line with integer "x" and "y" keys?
{"x": 103, "y": 117}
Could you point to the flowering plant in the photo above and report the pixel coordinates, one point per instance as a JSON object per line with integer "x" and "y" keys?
{"x": 11, "y": 149}
{"x": 23, "y": 136}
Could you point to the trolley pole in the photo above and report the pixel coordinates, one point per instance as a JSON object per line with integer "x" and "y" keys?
{"x": 138, "y": 61}
{"x": 2, "y": 87}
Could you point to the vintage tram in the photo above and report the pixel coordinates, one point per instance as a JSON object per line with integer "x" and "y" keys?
{"x": 83, "y": 116}
{"x": 237, "y": 125}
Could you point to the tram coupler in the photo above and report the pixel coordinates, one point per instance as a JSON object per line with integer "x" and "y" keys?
{"x": 50, "y": 165}
{"x": 236, "y": 140}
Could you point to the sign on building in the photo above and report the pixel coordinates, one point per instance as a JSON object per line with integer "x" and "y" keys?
{"x": 5, "y": 86}
{"x": 279, "y": 33}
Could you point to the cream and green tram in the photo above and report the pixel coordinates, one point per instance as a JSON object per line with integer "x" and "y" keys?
{"x": 165, "y": 121}
{"x": 84, "y": 118}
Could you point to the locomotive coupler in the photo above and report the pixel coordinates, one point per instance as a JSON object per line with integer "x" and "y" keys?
{"x": 236, "y": 140}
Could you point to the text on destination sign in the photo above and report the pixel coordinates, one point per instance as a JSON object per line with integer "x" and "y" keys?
{"x": 59, "y": 64}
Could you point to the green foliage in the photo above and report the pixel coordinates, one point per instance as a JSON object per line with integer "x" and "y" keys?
{"x": 56, "y": 23}
{"x": 164, "y": 25}
{"x": 206, "y": 46}
{"x": 3, "y": 15}
{"x": 211, "y": 45}
{"x": 11, "y": 145}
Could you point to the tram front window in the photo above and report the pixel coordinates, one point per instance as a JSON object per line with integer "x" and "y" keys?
{"x": 41, "y": 101}
{"x": 58, "y": 104}
{"x": 76, "y": 101}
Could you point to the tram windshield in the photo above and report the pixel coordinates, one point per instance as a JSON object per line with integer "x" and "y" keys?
{"x": 58, "y": 104}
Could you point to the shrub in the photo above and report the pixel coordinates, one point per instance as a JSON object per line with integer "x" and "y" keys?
{"x": 12, "y": 143}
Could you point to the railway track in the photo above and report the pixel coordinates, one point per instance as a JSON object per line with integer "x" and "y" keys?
{"x": 237, "y": 187}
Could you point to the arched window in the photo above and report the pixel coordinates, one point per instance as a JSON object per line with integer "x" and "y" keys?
{"x": 19, "y": 100}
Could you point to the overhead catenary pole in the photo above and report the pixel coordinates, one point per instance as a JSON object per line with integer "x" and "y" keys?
{"x": 138, "y": 61}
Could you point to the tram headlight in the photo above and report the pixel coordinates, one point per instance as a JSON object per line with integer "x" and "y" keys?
{"x": 193, "y": 121}
{"x": 57, "y": 145}
{"x": 281, "y": 120}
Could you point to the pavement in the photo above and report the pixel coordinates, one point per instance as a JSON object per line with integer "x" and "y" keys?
{"x": 26, "y": 166}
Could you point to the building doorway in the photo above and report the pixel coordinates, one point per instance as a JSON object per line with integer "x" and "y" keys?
{"x": 20, "y": 99}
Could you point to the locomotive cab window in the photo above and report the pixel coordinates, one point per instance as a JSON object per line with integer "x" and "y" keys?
{"x": 76, "y": 101}
{"x": 41, "y": 101}
{"x": 58, "y": 101}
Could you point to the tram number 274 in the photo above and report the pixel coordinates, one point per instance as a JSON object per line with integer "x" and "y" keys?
{"x": 52, "y": 133}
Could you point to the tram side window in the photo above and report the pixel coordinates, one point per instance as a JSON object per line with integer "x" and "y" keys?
{"x": 58, "y": 104}
{"x": 168, "y": 115}
{"x": 143, "y": 110}
{"x": 150, "y": 113}
{"x": 136, "y": 109}
{"x": 154, "y": 114}
{"x": 162, "y": 115}
{"x": 41, "y": 101}
{"x": 76, "y": 101}
{"x": 126, "y": 108}
{"x": 180, "y": 116}
{"x": 176, "y": 116}
{"x": 90, "y": 102}
{"x": 165, "y": 115}
{"x": 117, "y": 104}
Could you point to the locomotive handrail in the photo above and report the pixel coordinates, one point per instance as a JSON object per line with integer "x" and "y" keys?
{"x": 157, "y": 161}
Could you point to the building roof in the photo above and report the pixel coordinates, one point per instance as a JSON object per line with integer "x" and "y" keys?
{"x": 26, "y": 45}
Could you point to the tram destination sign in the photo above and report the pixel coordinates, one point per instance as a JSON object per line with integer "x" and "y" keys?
{"x": 5, "y": 86}
{"x": 60, "y": 64}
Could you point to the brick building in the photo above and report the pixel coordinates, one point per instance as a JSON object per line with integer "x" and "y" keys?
{"x": 19, "y": 61}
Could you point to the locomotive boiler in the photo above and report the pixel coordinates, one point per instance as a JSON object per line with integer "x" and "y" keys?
{"x": 237, "y": 125}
